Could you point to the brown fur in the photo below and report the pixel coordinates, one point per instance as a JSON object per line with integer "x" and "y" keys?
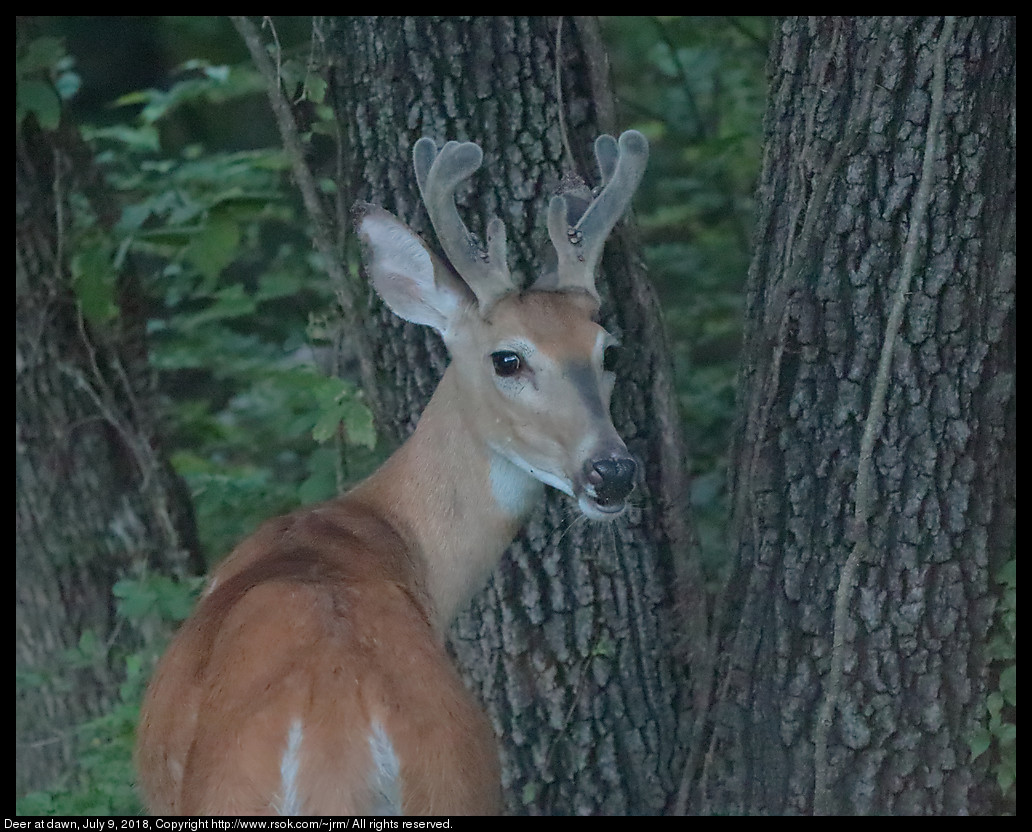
{"x": 318, "y": 616}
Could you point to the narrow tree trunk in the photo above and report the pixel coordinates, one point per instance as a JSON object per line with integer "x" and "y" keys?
{"x": 95, "y": 499}
{"x": 571, "y": 645}
{"x": 852, "y": 666}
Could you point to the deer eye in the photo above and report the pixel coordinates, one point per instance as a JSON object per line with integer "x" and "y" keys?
{"x": 610, "y": 357}
{"x": 506, "y": 362}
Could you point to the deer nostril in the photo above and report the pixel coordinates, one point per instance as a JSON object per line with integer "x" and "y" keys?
{"x": 612, "y": 479}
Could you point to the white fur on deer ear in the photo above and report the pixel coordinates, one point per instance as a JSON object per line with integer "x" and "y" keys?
{"x": 411, "y": 279}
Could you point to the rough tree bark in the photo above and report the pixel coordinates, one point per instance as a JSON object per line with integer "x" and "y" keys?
{"x": 95, "y": 499}
{"x": 851, "y": 666}
{"x": 571, "y": 647}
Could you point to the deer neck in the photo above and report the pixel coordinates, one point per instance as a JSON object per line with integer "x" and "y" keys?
{"x": 457, "y": 503}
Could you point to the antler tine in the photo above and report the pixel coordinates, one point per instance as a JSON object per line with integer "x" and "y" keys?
{"x": 607, "y": 152}
{"x": 579, "y": 247}
{"x": 438, "y": 175}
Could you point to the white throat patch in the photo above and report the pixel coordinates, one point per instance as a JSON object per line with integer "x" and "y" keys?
{"x": 514, "y": 489}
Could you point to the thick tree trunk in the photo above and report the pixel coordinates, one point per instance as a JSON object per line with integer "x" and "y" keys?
{"x": 95, "y": 499}
{"x": 852, "y": 666}
{"x": 571, "y": 647}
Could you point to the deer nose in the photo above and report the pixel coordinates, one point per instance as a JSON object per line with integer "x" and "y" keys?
{"x": 612, "y": 479}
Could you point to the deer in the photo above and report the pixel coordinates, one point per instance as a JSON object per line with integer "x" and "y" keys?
{"x": 313, "y": 676}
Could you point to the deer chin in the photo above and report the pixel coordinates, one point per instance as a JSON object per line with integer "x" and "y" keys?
{"x": 596, "y": 509}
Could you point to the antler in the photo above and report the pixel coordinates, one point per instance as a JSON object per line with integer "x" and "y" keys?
{"x": 578, "y": 246}
{"x": 578, "y": 242}
{"x": 438, "y": 174}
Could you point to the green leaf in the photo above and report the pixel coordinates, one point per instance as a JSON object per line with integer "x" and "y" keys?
{"x": 93, "y": 278}
{"x": 1005, "y": 777}
{"x": 231, "y": 302}
{"x": 38, "y": 97}
{"x": 1000, "y": 647}
{"x": 979, "y": 742}
{"x": 272, "y": 159}
{"x": 176, "y": 599}
{"x": 135, "y": 97}
{"x": 41, "y": 53}
{"x": 141, "y": 598}
{"x": 88, "y": 651}
{"x": 215, "y": 247}
{"x": 326, "y": 425}
{"x": 1006, "y": 732}
{"x": 358, "y": 419}
{"x": 315, "y": 88}
{"x": 321, "y": 482}
{"x": 278, "y": 284}
{"x": 1009, "y": 684}
{"x": 136, "y": 598}
{"x": 217, "y": 73}
{"x": 338, "y": 404}
{"x": 88, "y": 642}
{"x": 142, "y": 139}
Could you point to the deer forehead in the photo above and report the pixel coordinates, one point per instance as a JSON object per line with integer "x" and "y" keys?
{"x": 559, "y": 325}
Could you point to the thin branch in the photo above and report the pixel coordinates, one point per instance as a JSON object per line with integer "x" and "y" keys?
{"x": 323, "y": 232}
{"x": 756, "y": 40}
{"x": 329, "y": 238}
{"x": 701, "y": 132}
{"x": 560, "y": 105}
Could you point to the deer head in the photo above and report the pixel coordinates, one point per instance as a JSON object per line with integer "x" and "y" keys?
{"x": 530, "y": 365}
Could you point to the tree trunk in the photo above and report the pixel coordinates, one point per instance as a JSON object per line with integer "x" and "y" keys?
{"x": 571, "y": 647}
{"x": 95, "y": 499}
{"x": 852, "y": 666}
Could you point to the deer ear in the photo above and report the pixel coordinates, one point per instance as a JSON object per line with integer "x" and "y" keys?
{"x": 416, "y": 284}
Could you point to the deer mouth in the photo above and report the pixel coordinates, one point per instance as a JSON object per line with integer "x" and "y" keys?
{"x": 601, "y": 509}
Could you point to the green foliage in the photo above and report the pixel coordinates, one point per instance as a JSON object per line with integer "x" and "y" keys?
{"x": 104, "y": 785}
{"x": 93, "y": 279}
{"x": 205, "y": 82}
{"x": 155, "y": 595}
{"x": 234, "y": 276}
{"x": 696, "y": 87}
{"x": 43, "y": 79}
{"x": 997, "y": 735}
{"x": 103, "y": 781}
